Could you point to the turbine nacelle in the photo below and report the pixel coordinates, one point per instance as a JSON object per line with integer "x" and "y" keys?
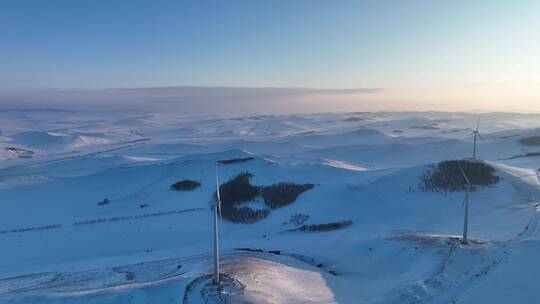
{"x": 477, "y": 135}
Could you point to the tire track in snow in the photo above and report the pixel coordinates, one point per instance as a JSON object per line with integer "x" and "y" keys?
{"x": 464, "y": 265}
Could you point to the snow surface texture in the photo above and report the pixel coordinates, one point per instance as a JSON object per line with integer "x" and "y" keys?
{"x": 59, "y": 245}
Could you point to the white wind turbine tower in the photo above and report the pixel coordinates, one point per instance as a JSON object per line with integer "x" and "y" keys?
{"x": 477, "y": 135}
{"x": 217, "y": 212}
{"x": 466, "y": 205}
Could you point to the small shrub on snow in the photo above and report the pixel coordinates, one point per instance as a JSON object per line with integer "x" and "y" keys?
{"x": 104, "y": 202}
{"x": 298, "y": 219}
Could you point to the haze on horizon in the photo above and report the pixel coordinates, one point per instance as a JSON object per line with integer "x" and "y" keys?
{"x": 394, "y": 55}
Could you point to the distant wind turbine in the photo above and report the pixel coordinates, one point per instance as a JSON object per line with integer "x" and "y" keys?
{"x": 477, "y": 135}
{"x": 217, "y": 212}
{"x": 466, "y": 205}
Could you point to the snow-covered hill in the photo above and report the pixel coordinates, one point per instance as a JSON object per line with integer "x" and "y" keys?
{"x": 60, "y": 245}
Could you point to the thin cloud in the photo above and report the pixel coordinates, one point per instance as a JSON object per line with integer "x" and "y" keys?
{"x": 181, "y": 98}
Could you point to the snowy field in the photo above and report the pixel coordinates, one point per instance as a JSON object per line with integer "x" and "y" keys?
{"x": 147, "y": 243}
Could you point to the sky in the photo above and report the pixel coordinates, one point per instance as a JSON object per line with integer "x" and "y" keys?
{"x": 425, "y": 55}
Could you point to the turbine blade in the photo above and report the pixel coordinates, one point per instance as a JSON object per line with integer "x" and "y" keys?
{"x": 464, "y": 175}
{"x": 217, "y": 184}
{"x": 480, "y": 136}
{"x": 478, "y": 125}
{"x": 219, "y": 210}
{"x": 218, "y": 197}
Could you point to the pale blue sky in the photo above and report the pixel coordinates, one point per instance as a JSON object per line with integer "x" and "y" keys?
{"x": 108, "y": 43}
{"x": 319, "y": 44}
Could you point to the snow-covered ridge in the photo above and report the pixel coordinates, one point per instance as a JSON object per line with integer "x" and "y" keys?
{"x": 55, "y": 170}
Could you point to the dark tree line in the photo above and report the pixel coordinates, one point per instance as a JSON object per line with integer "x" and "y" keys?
{"x": 185, "y": 185}
{"x": 282, "y": 194}
{"x": 446, "y": 176}
{"x": 322, "y": 227}
{"x": 532, "y": 141}
{"x": 46, "y": 227}
{"x": 239, "y": 190}
{"x": 236, "y": 192}
{"x": 131, "y": 217}
{"x": 234, "y": 160}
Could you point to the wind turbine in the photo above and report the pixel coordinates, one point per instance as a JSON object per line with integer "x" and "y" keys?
{"x": 466, "y": 205}
{"x": 217, "y": 212}
{"x": 477, "y": 135}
